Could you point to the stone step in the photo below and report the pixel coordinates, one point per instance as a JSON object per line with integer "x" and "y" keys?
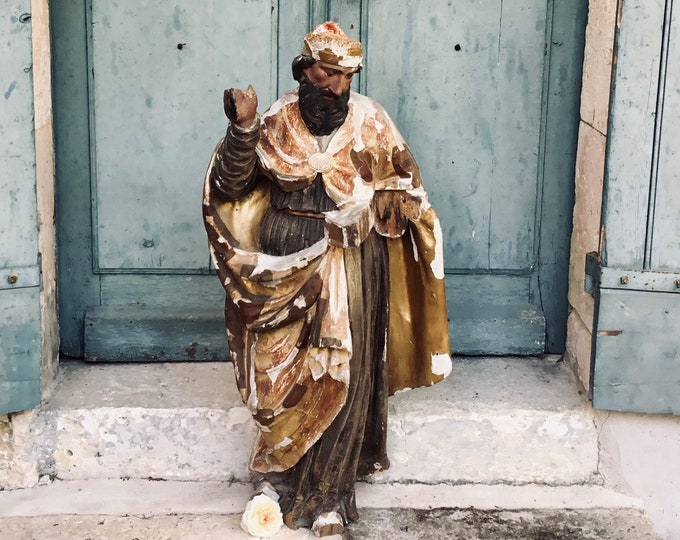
{"x": 494, "y": 421}
{"x": 207, "y": 510}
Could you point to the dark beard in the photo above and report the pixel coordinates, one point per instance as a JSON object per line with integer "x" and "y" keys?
{"x": 321, "y": 116}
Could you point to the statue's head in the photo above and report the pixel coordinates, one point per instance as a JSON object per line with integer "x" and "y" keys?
{"x": 324, "y": 70}
{"x": 328, "y": 44}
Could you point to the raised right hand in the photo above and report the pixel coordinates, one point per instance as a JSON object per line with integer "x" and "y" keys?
{"x": 240, "y": 106}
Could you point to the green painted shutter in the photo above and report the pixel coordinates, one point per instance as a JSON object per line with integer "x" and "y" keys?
{"x": 637, "y": 340}
{"x": 485, "y": 93}
{"x": 19, "y": 265}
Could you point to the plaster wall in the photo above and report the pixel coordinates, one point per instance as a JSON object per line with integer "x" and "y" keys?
{"x": 639, "y": 456}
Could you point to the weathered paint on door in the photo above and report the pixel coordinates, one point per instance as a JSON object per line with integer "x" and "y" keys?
{"x": 637, "y": 342}
{"x": 485, "y": 93}
{"x": 19, "y": 264}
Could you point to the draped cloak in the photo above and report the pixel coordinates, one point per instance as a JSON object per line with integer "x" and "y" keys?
{"x": 287, "y": 316}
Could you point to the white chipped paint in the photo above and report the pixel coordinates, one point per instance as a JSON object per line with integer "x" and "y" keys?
{"x": 321, "y": 162}
{"x": 362, "y": 107}
{"x": 362, "y": 192}
{"x": 384, "y": 355}
{"x": 267, "y": 489}
{"x": 278, "y": 410}
{"x": 285, "y": 442}
{"x": 285, "y": 264}
{"x": 419, "y": 193}
{"x": 252, "y": 398}
{"x": 300, "y": 302}
{"x": 406, "y": 182}
{"x": 403, "y": 390}
{"x": 329, "y": 518}
{"x": 441, "y": 364}
{"x": 437, "y": 263}
{"x": 413, "y": 244}
{"x": 275, "y": 372}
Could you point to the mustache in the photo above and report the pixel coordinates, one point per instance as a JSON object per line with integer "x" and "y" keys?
{"x": 325, "y": 92}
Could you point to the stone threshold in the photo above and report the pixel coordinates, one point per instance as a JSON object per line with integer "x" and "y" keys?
{"x": 118, "y": 497}
{"x": 494, "y": 420}
{"x": 509, "y": 421}
{"x": 211, "y": 510}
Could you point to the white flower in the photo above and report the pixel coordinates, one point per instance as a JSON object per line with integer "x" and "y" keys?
{"x": 262, "y": 516}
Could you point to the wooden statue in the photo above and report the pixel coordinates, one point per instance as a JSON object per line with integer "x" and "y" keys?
{"x": 331, "y": 258}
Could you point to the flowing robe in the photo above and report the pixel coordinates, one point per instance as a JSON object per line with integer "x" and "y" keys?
{"x": 320, "y": 334}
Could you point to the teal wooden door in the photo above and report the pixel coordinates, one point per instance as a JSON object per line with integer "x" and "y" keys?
{"x": 485, "y": 93}
{"x": 637, "y": 342}
{"x": 19, "y": 261}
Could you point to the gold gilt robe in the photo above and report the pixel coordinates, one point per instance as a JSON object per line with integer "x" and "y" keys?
{"x": 287, "y": 319}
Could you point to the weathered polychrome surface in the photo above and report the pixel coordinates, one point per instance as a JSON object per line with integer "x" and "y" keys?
{"x": 295, "y": 380}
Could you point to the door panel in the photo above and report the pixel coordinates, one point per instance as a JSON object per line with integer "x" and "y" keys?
{"x": 465, "y": 81}
{"x": 19, "y": 348}
{"x": 665, "y": 249}
{"x": 480, "y": 165}
{"x": 631, "y": 133}
{"x": 157, "y": 110}
{"x": 636, "y": 352}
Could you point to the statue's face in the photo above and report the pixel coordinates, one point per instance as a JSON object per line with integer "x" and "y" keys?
{"x": 324, "y": 97}
{"x": 332, "y": 78}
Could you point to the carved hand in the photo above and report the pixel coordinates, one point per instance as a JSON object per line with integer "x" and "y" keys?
{"x": 240, "y": 106}
{"x": 393, "y": 210}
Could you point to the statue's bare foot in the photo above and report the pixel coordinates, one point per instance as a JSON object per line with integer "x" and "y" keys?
{"x": 327, "y": 524}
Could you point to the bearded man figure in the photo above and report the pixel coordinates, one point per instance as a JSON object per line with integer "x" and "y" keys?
{"x": 331, "y": 258}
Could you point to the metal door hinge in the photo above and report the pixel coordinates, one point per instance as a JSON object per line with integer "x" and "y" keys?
{"x": 593, "y": 272}
{"x": 603, "y": 277}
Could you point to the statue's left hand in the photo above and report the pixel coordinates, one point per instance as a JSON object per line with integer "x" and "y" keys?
{"x": 393, "y": 211}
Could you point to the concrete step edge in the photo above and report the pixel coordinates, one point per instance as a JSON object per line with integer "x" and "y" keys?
{"x": 148, "y": 497}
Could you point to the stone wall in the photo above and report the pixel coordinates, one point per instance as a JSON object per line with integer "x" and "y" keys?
{"x": 44, "y": 160}
{"x": 590, "y": 161}
{"x": 18, "y": 465}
